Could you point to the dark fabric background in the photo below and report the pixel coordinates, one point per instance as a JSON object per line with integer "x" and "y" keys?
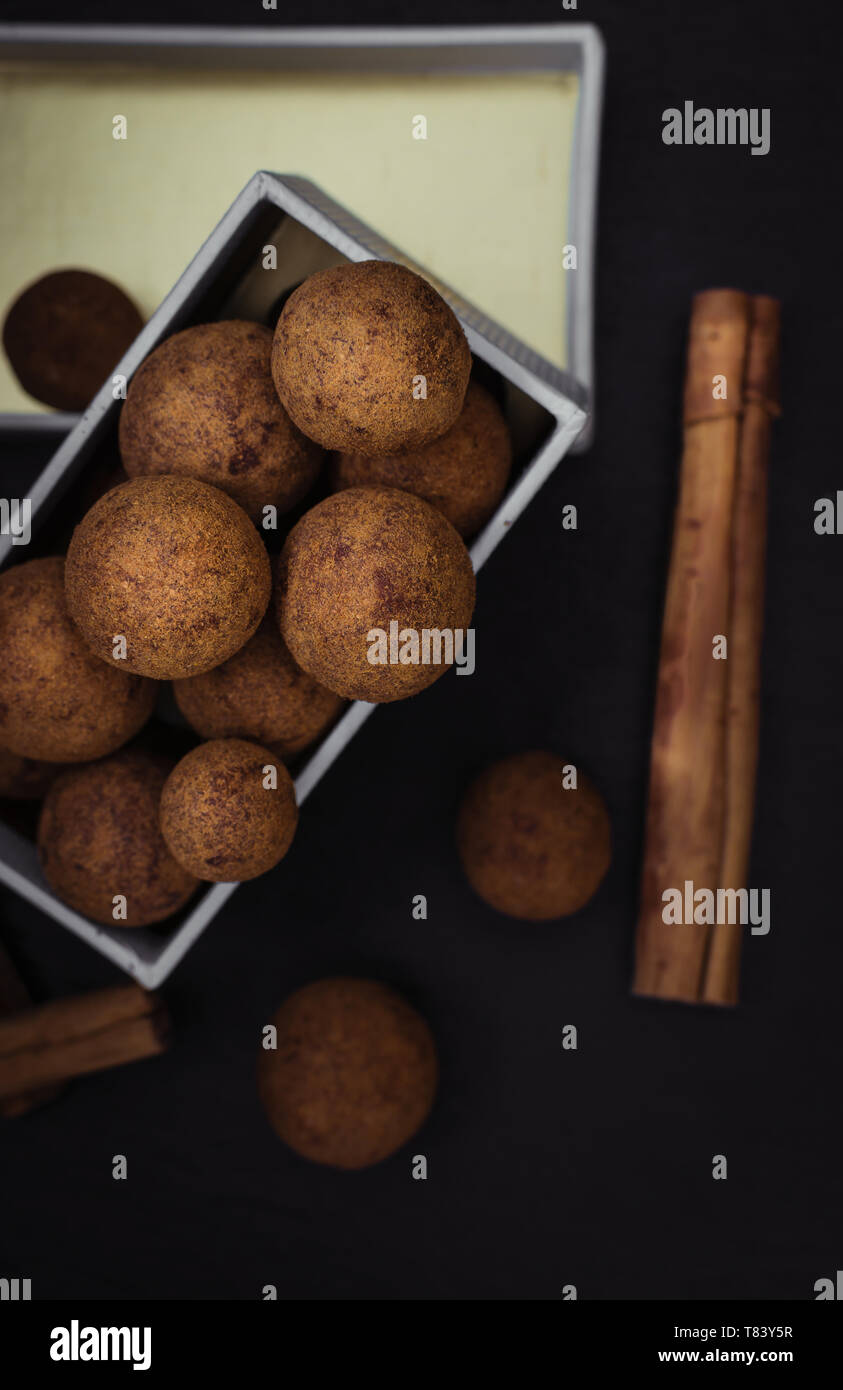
{"x": 546, "y": 1167}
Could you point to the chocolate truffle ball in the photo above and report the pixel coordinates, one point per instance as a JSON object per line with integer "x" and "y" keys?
{"x": 259, "y": 693}
{"x": 173, "y": 566}
{"x": 530, "y": 847}
{"x": 25, "y": 779}
{"x": 353, "y": 1075}
{"x": 369, "y": 359}
{"x": 204, "y": 405}
{"x": 98, "y": 837}
{"x": 58, "y": 701}
{"x": 66, "y": 333}
{"x": 354, "y": 564}
{"x": 463, "y": 473}
{"x": 220, "y": 817}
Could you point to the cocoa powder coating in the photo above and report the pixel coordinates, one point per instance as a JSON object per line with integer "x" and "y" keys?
{"x": 58, "y": 701}
{"x": 98, "y": 837}
{"x": 356, "y": 562}
{"x": 354, "y": 1073}
{"x": 220, "y": 818}
{"x": 463, "y": 473}
{"x": 259, "y": 693}
{"x": 204, "y": 405}
{"x": 351, "y": 347}
{"x": 174, "y": 566}
{"x": 530, "y": 847}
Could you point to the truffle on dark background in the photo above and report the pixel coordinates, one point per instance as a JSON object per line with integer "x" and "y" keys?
{"x": 353, "y": 1075}
{"x": 531, "y": 846}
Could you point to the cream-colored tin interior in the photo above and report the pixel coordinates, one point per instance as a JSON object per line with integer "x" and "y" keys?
{"x": 482, "y": 201}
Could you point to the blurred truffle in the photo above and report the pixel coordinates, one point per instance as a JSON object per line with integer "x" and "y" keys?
{"x": 532, "y": 846}
{"x": 354, "y": 1073}
{"x": 65, "y": 334}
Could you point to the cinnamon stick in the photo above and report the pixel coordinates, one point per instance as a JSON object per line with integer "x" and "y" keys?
{"x": 687, "y": 779}
{"x": 72, "y": 1037}
{"x": 749, "y": 538}
{"x": 14, "y": 996}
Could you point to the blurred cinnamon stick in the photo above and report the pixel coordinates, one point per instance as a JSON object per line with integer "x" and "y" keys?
{"x": 749, "y": 547}
{"x": 73, "y": 1037}
{"x": 685, "y": 809}
{"x": 13, "y": 997}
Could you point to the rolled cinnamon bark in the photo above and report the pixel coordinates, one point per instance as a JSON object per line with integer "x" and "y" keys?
{"x": 14, "y": 996}
{"x": 72, "y": 1037}
{"x": 749, "y": 545}
{"x": 686, "y": 807}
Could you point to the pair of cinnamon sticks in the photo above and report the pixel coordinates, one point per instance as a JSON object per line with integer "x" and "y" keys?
{"x": 43, "y": 1046}
{"x": 705, "y": 736}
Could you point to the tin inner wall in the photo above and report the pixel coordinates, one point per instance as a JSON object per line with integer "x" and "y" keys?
{"x": 482, "y": 202}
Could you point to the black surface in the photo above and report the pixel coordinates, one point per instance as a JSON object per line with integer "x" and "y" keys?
{"x": 546, "y": 1167}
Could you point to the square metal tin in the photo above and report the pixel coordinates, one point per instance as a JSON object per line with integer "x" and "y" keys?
{"x": 547, "y": 409}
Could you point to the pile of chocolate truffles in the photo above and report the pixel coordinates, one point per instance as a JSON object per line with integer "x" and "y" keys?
{"x": 167, "y": 578}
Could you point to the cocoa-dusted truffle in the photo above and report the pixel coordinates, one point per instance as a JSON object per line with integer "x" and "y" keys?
{"x": 259, "y": 693}
{"x": 99, "y": 838}
{"x": 222, "y": 817}
{"x": 65, "y": 334}
{"x": 353, "y": 1075}
{"x": 173, "y": 566}
{"x": 354, "y": 564}
{"x": 203, "y": 404}
{"x": 25, "y": 779}
{"x": 463, "y": 473}
{"x": 59, "y": 702}
{"x": 369, "y": 359}
{"x": 531, "y": 846}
